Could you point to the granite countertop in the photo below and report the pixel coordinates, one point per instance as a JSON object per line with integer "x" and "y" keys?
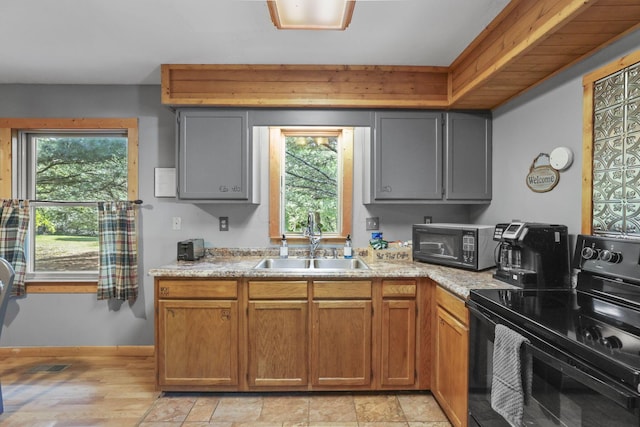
{"x": 457, "y": 281}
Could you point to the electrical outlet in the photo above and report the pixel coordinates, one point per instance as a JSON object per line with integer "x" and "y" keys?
{"x": 224, "y": 223}
{"x": 373, "y": 223}
{"x": 427, "y": 220}
{"x": 176, "y": 223}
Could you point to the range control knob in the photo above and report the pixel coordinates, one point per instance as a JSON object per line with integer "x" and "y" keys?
{"x": 591, "y": 333}
{"x": 611, "y": 342}
{"x": 610, "y": 256}
{"x": 589, "y": 253}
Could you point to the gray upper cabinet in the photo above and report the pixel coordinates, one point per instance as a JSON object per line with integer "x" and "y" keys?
{"x": 404, "y": 163}
{"x": 428, "y": 157}
{"x": 215, "y": 156}
{"x": 468, "y": 157}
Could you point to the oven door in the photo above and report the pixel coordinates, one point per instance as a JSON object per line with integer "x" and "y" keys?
{"x": 564, "y": 391}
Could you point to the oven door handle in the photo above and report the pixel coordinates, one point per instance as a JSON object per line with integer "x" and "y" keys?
{"x": 616, "y": 394}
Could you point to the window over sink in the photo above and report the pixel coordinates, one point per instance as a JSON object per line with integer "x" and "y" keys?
{"x": 310, "y": 169}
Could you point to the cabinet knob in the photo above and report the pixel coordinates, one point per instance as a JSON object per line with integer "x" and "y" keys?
{"x": 386, "y": 189}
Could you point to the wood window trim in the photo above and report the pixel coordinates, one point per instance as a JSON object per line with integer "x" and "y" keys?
{"x": 61, "y": 287}
{"x": 9, "y": 128}
{"x": 588, "y": 83}
{"x": 275, "y": 163}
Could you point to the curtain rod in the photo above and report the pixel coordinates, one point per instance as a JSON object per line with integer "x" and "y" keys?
{"x": 137, "y": 201}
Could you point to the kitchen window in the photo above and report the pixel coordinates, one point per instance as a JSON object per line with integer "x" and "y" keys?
{"x": 311, "y": 169}
{"x": 64, "y": 166}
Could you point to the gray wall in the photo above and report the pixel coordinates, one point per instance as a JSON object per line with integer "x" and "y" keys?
{"x": 81, "y": 320}
{"x": 542, "y": 119}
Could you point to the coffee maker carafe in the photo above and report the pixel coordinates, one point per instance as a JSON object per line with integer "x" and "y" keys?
{"x": 533, "y": 255}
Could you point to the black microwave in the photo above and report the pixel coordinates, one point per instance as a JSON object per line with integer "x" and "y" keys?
{"x": 467, "y": 246}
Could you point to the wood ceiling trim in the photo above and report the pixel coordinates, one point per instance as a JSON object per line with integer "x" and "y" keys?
{"x": 528, "y": 42}
{"x": 560, "y": 49}
{"x": 304, "y": 85}
{"x": 527, "y": 24}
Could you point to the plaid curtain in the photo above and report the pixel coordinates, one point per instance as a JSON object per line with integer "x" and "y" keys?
{"x": 14, "y": 223}
{"x": 118, "y": 251}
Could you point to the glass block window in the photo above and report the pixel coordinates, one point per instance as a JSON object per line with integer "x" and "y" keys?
{"x": 616, "y": 153}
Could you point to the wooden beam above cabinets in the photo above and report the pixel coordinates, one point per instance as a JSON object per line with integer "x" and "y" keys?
{"x": 527, "y": 43}
{"x": 304, "y": 86}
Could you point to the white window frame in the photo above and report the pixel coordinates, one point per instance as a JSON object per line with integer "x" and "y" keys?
{"x": 25, "y": 188}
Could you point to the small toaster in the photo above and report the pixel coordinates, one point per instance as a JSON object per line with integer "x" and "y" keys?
{"x": 190, "y": 250}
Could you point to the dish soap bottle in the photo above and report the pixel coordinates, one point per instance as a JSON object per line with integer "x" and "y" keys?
{"x": 284, "y": 248}
{"x": 348, "y": 250}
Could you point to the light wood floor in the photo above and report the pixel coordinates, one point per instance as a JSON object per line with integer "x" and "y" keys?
{"x": 119, "y": 391}
{"x": 91, "y": 391}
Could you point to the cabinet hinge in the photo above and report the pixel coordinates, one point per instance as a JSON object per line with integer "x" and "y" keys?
{"x": 415, "y": 375}
{"x": 247, "y": 311}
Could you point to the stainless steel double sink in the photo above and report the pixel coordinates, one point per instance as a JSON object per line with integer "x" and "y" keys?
{"x": 312, "y": 265}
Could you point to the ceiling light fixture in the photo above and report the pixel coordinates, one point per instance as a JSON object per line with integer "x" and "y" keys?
{"x": 311, "y": 14}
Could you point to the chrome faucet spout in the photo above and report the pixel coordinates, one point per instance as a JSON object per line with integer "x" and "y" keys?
{"x": 313, "y": 232}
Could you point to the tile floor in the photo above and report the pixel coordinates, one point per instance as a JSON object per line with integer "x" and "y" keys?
{"x": 107, "y": 391}
{"x": 295, "y": 410}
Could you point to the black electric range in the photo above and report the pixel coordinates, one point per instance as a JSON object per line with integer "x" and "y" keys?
{"x": 589, "y": 334}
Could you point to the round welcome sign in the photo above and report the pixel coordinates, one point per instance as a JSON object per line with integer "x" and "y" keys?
{"x": 542, "y": 177}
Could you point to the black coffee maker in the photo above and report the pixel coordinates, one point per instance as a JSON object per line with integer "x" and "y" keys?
{"x": 532, "y": 255}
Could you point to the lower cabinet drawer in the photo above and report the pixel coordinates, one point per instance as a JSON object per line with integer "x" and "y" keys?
{"x": 347, "y": 289}
{"x": 398, "y": 288}
{"x": 197, "y": 289}
{"x": 275, "y": 290}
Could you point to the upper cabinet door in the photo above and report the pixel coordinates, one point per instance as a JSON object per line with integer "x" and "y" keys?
{"x": 406, "y": 157}
{"x": 468, "y": 157}
{"x": 214, "y": 155}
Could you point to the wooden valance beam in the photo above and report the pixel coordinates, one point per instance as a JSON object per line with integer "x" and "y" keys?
{"x": 304, "y": 86}
{"x": 527, "y": 43}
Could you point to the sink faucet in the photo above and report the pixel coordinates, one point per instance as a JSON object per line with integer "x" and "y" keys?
{"x": 313, "y": 232}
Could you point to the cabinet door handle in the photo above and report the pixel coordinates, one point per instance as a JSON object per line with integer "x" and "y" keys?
{"x": 386, "y": 189}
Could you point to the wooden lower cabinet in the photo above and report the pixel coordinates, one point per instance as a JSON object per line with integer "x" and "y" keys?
{"x": 451, "y": 356}
{"x": 398, "y": 333}
{"x": 292, "y": 334}
{"x": 341, "y": 343}
{"x": 398, "y": 342}
{"x": 197, "y": 343}
{"x": 197, "y": 327}
{"x": 277, "y": 334}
